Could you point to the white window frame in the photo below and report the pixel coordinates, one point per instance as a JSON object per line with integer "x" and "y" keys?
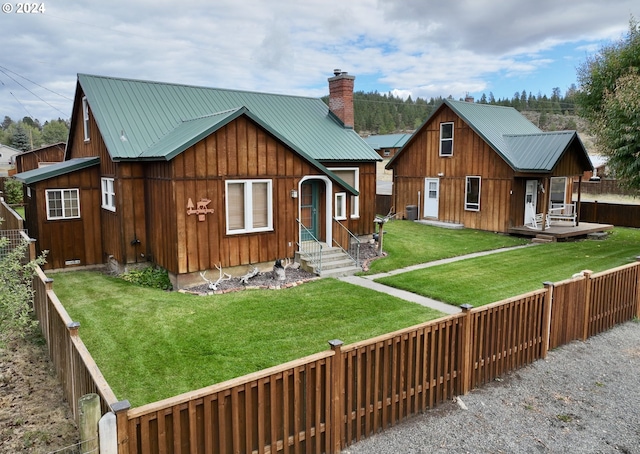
{"x": 341, "y": 206}
{"x": 85, "y": 118}
{"x": 76, "y": 196}
{"x": 248, "y": 206}
{"x": 564, "y": 189}
{"x": 355, "y": 199}
{"x": 447, "y": 139}
{"x": 108, "y": 194}
{"x": 472, "y": 206}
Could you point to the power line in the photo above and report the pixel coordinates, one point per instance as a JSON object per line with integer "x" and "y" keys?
{"x": 35, "y": 83}
{"x": 53, "y": 107}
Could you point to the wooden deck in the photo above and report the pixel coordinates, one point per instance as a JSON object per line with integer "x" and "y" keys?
{"x": 562, "y": 230}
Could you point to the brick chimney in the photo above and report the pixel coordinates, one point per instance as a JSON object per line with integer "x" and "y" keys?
{"x": 341, "y": 96}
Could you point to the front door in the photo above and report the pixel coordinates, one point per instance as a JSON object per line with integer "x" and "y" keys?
{"x": 530, "y": 201}
{"x": 309, "y": 210}
{"x": 431, "y": 197}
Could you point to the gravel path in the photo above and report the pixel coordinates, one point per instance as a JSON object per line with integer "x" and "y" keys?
{"x": 583, "y": 398}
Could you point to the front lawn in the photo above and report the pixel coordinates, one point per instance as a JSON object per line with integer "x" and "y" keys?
{"x": 151, "y": 344}
{"x": 409, "y": 243}
{"x": 487, "y": 279}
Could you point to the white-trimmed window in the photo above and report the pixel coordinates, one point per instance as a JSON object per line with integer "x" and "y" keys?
{"x": 446, "y": 139}
{"x": 85, "y": 118}
{"x": 557, "y": 190}
{"x": 341, "y": 206}
{"x": 108, "y": 194}
{"x": 63, "y": 203}
{"x": 249, "y": 206}
{"x": 351, "y": 176}
{"x": 472, "y": 194}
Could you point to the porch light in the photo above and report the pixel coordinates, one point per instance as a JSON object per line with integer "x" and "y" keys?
{"x": 294, "y": 194}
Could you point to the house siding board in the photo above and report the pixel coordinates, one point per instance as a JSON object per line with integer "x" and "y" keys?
{"x": 205, "y": 245}
{"x": 71, "y": 239}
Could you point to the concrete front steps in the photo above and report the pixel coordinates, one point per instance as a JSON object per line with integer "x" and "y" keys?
{"x": 335, "y": 263}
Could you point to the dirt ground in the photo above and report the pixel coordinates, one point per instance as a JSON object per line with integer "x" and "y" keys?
{"x": 34, "y": 417}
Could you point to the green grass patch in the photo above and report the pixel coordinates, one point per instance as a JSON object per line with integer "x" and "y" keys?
{"x": 151, "y": 344}
{"x": 409, "y": 243}
{"x": 491, "y": 278}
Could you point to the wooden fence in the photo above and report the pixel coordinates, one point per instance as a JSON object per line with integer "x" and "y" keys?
{"x": 610, "y": 213}
{"x": 11, "y": 219}
{"x": 74, "y": 365}
{"x": 330, "y": 400}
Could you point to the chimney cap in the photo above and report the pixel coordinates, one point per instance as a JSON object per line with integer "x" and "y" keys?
{"x": 337, "y": 72}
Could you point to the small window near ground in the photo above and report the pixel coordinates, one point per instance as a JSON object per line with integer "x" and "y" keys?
{"x": 472, "y": 194}
{"x": 63, "y": 204}
{"x": 341, "y": 206}
{"x": 85, "y": 118}
{"x": 108, "y": 194}
{"x": 249, "y": 206}
{"x": 446, "y": 139}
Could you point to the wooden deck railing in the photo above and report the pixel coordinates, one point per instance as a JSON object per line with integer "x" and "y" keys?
{"x": 330, "y": 400}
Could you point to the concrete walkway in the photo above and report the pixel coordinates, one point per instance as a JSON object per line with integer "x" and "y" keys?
{"x": 368, "y": 281}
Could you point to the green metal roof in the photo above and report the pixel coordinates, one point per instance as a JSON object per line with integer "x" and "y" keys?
{"x": 55, "y": 170}
{"x": 378, "y": 142}
{"x": 154, "y": 120}
{"x": 524, "y": 146}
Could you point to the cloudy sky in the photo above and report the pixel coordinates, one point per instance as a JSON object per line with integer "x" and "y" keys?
{"x": 423, "y": 48}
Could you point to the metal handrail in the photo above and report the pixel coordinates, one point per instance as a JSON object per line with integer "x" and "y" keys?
{"x": 353, "y": 250}
{"x": 312, "y": 248}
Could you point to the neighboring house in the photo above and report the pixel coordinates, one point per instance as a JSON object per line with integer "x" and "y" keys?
{"x": 40, "y": 157}
{"x": 481, "y": 165}
{"x": 7, "y": 155}
{"x": 386, "y": 145}
{"x": 193, "y": 178}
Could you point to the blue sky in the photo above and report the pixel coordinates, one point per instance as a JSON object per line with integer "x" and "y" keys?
{"x": 420, "y": 48}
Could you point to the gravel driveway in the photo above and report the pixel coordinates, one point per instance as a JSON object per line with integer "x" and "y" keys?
{"x": 583, "y": 398}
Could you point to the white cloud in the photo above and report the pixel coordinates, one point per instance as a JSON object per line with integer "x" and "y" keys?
{"x": 287, "y": 46}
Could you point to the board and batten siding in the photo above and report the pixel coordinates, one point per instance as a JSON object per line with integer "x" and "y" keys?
{"x": 69, "y": 239}
{"x": 240, "y": 150}
{"x": 472, "y": 156}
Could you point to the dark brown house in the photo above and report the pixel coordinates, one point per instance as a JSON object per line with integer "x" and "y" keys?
{"x": 40, "y": 157}
{"x": 486, "y": 167}
{"x": 193, "y": 178}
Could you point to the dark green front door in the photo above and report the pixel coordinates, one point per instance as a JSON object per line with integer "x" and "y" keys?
{"x": 309, "y": 210}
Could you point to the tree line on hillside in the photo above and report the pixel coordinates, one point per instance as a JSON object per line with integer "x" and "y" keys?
{"x": 28, "y": 134}
{"x": 377, "y": 113}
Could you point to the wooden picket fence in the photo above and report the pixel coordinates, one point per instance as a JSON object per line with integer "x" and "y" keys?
{"x": 330, "y": 400}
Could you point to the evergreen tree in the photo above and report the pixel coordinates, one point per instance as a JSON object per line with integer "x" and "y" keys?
{"x": 20, "y": 140}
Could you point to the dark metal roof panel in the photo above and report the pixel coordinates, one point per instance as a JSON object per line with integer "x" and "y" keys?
{"x": 55, "y": 170}
{"x": 134, "y": 116}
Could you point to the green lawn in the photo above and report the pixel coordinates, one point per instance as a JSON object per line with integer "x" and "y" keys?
{"x": 151, "y": 344}
{"x": 484, "y": 280}
{"x": 408, "y": 243}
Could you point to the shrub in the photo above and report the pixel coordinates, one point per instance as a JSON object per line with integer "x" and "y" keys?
{"x": 12, "y": 191}
{"x": 16, "y": 292}
{"x": 151, "y": 276}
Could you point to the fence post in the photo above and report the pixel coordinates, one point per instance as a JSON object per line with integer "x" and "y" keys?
{"x": 587, "y": 303}
{"x": 72, "y": 328}
{"x": 467, "y": 348}
{"x": 638, "y": 289}
{"x": 88, "y": 418}
{"x": 121, "y": 410}
{"x": 546, "y": 318}
{"x": 108, "y": 434}
{"x": 337, "y": 396}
